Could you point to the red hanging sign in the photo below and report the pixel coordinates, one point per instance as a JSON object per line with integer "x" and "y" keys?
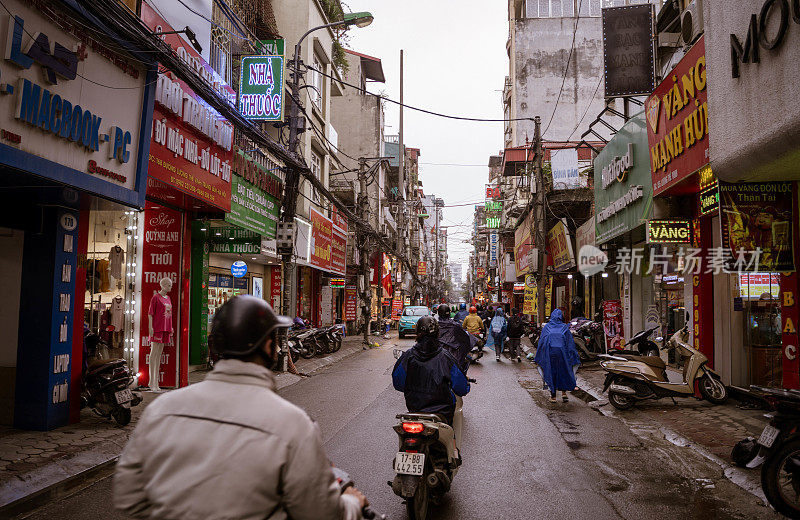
{"x": 677, "y": 117}
{"x": 612, "y": 323}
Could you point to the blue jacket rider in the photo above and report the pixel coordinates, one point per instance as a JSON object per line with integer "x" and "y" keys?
{"x": 428, "y": 375}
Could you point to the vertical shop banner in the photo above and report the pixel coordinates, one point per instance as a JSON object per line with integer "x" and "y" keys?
{"x": 789, "y": 337}
{"x": 326, "y": 306}
{"x": 319, "y": 254}
{"x": 275, "y": 286}
{"x": 350, "y": 302}
{"x": 161, "y": 257}
{"x": 523, "y": 246}
{"x": 386, "y": 277}
{"x": 560, "y": 245}
{"x": 192, "y": 144}
{"x": 493, "y": 245}
{"x": 677, "y": 117}
{"x": 759, "y": 216}
{"x": 529, "y": 301}
{"x": 339, "y": 246}
{"x": 612, "y": 324}
{"x": 628, "y": 53}
{"x": 397, "y": 308}
{"x": 422, "y": 268}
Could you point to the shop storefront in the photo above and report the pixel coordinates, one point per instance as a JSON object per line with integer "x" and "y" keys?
{"x": 678, "y": 137}
{"x": 239, "y": 242}
{"x": 189, "y": 178}
{"x": 73, "y": 162}
{"x": 623, "y": 198}
{"x": 755, "y": 131}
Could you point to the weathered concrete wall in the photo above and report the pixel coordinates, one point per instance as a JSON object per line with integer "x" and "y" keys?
{"x": 539, "y": 51}
{"x": 754, "y": 120}
{"x": 358, "y": 118}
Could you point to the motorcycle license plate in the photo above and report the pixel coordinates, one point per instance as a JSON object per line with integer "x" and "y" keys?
{"x": 123, "y": 396}
{"x": 768, "y": 436}
{"x": 409, "y": 463}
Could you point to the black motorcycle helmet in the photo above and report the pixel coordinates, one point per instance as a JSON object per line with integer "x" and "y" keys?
{"x": 242, "y": 325}
{"x": 444, "y": 311}
{"x": 427, "y": 326}
{"x": 744, "y": 451}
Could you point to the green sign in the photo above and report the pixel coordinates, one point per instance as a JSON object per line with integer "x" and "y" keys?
{"x": 261, "y": 88}
{"x": 233, "y": 233}
{"x": 493, "y": 222}
{"x": 273, "y": 47}
{"x": 623, "y": 203}
{"x": 253, "y": 209}
{"x": 709, "y": 200}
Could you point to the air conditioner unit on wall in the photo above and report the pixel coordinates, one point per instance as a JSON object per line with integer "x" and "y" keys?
{"x": 692, "y": 22}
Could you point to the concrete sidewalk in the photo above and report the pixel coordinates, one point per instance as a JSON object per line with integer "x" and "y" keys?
{"x": 711, "y": 430}
{"x": 35, "y": 466}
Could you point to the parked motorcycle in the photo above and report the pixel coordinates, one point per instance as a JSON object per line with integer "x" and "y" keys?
{"x": 302, "y": 344}
{"x": 778, "y": 449}
{"x": 589, "y": 338}
{"x": 641, "y": 344}
{"x": 107, "y": 383}
{"x": 636, "y": 378}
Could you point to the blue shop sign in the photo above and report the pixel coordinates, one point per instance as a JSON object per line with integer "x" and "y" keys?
{"x": 63, "y": 122}
{"x": 238, "y": 269}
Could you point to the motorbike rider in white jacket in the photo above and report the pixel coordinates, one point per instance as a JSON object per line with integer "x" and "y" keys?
{"x": 230, "y": 447}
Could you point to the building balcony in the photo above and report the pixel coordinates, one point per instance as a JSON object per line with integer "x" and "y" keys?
{"x": 343, "y": 189}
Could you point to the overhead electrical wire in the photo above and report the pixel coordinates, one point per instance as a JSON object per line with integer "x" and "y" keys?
{"x": 423, "y": 110}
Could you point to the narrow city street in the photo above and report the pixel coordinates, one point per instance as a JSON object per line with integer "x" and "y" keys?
{"x": 524, "y": 458}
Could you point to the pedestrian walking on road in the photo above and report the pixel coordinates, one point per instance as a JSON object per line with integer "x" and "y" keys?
{"x": 556, "y": 356}
{"x": 516, "y": 328}
{"x": 230, "y": 447}
{"x": 498, "y": 327}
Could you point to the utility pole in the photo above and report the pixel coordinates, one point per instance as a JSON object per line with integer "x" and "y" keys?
{"x": 540, "y": 220}
{"x": 366, "y": 293}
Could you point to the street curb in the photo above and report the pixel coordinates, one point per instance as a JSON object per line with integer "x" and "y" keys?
{"x": 61, "y": 488}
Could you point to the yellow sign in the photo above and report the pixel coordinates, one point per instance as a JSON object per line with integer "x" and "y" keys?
{"x": 560, "y": 246}
{"x": 529, "y": 302}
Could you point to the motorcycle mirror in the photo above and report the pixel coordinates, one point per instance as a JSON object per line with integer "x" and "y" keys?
{"x": 659, "y": 338}
{"x": 397, "y": 353}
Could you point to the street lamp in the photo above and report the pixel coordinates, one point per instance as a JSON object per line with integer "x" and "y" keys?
{"x": 361, "y": 19}
{"x": 189, "y": 34}
{"x": 292, "y": 181}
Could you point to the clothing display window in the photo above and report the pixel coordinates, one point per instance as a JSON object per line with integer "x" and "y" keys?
{"x": 110, "y": 276}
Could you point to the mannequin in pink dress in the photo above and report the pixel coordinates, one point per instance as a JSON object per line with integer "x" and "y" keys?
{"x": 160, "y": 321}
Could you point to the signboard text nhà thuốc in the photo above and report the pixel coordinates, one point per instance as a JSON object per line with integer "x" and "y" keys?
{"x": 261, "y": 88}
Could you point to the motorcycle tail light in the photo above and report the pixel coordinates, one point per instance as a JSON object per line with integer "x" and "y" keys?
{"x": 413, "y": 427}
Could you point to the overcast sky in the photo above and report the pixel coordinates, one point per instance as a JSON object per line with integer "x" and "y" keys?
{"x": 455, "y": 63}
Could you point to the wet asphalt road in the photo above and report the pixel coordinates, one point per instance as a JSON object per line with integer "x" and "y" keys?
{"x": 523, "y": 457}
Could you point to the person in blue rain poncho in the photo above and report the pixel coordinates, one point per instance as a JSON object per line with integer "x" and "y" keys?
{"x": 556, "y": 356}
